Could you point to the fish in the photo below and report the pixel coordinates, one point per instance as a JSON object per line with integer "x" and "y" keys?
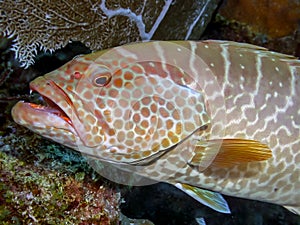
{"x": 209, "y": 117}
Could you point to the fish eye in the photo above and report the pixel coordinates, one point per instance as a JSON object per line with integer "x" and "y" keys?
{"x": 102, "y": 79}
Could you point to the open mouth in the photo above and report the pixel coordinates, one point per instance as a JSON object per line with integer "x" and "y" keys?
{"x": 50, "y": 96}
{"x": 45, "y": 104}
{"x": 45, "y": 114}
{"x": 47, "y": 108}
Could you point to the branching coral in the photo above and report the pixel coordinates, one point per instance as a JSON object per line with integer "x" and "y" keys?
{"x": 49, "y": 25}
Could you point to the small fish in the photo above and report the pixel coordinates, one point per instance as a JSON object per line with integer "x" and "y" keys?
{"x": 209, "y": 117}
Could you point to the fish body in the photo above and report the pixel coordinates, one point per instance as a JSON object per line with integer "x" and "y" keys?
{"x": 182, "y": 113}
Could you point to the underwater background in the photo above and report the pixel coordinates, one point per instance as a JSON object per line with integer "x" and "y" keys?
{"x": 44, "y": 183}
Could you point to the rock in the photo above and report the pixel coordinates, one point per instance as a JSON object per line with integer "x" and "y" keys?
{"x": 276, "y": 18}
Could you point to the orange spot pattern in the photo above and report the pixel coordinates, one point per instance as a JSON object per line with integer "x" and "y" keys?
{"x": 136, "y": 114}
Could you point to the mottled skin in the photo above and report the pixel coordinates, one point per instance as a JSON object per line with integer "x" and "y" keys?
{"x": 240, "y": 91}
{"x": 261, "y": 91}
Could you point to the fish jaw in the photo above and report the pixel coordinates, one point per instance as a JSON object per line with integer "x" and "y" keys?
{"x": 45, "y": 123}
{"x": 52, "y": 121}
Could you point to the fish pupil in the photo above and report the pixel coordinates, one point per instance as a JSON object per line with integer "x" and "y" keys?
{"x": 102, "y": 80}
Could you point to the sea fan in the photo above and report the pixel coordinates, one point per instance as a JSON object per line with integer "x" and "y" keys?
{"x": 49, "y": 25}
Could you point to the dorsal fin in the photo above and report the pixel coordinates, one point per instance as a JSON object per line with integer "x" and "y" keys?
{"x": 231, "y": 152}
{"x": 293, "y": 209}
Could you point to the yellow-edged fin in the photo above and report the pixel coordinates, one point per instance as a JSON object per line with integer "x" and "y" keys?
{"x": 231, "y": 152}
{"x": 211, "y": 199}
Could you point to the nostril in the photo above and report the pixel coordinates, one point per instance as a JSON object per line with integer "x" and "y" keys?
{"x": 77, "y": 75}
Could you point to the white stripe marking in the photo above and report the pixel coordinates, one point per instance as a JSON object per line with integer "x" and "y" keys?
{"x": 227, "y": 63}
{"x": 259, "y": 73}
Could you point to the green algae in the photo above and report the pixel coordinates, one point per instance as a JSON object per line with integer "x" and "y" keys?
{"x": 31, "y": 194}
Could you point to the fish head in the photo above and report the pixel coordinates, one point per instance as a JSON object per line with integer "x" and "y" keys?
{"x": 112, "y": 105}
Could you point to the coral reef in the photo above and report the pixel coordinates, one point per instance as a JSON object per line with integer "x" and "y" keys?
{"x": 49, "y": 25}
{"x": 276, "y": 18}
{"x": 34, "y": 195}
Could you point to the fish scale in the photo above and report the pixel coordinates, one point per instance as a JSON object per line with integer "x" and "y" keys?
{"x": 194, "y": 114}
{"x": 262, "y": 103}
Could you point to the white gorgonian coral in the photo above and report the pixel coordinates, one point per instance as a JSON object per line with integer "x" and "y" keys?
{"x": 49, "y": 25}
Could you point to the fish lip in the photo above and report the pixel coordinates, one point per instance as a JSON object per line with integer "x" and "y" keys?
{"x": 39, "y": 120}
{"x": 44, "y": 112}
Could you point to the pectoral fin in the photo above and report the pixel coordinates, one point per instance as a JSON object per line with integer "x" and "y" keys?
{"x": 200, "y": 221}
{"x": 231, "y": 152}
{"x": 211, "y": 199}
